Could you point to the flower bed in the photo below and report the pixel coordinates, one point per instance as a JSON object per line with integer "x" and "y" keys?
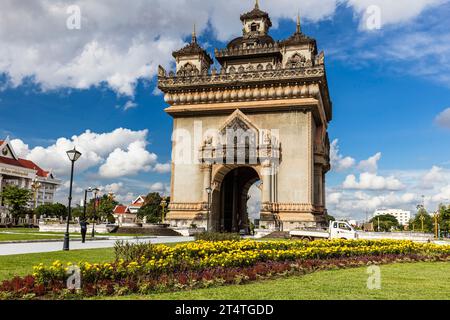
{"x": 156, "y": 268}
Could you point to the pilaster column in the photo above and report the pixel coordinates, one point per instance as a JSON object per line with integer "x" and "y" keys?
{"x": 266, "y": 173}
{"x": 207, "y": 176}
{"x": 324, "y": 201}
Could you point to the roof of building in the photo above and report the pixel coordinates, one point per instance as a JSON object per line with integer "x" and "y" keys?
{"x": 31, "y": 165}
{"x": 121, "y": 209}
{"x": 299, "y": 38}
{"x": 27, "y": 164}
{"x": 256, "y": 13}
{"x": 23, "y": 163}
{"x": 260, "y": 40}
{"x": 192, "y": 48}
{"x": 138, "y": 202}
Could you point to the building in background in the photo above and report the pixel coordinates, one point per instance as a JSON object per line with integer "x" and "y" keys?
{"x": 402, "y": 216}
{"x": 123, "y": 215}
{"x": 26, "y": 174}
{"x": 136, "y": 204}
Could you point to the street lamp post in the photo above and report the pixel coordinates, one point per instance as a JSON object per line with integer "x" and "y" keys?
{"x": 209, "y": 192}
{"x": 95, "y": 190}
{"x": 88, "y": 190}
{"x": 436, "y": 225}
{"x": 422, "y": 219}
{"x": 73, "y": 155}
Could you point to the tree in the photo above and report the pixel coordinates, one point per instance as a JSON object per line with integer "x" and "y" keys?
{"x": 16, "y": 199}
{"x": 444, "y": 219}
{"x": 385, "y": 223}
{"x": 329, "y": 218}
{"x": 52, "y": 210}
{"x": 151, "y": 210}
{"x": 104, "y": 208}
{"x": 416, "y": 223}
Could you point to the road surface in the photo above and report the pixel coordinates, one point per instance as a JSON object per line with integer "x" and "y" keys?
{"x": 38, "y": 247}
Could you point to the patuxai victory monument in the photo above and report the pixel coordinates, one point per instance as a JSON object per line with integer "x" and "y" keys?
{"x": 260, "y": 113}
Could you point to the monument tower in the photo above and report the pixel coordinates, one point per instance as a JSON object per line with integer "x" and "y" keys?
{"x": 261, "y": 113}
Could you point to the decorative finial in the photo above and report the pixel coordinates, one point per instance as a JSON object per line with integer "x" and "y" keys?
{"x": 257, "y": 4}
{"x": 194, "y": 35}
{"x": 299, "y": 27}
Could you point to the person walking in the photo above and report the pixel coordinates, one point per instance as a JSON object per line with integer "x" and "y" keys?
{"x": 84, "y": 227}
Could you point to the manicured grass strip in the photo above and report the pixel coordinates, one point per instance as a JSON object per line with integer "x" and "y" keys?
{"x": 33, "y": 234}
{"x": 21, "y": 265}
{"x": 23, "y": 237}
{"x": 404, "y": 281}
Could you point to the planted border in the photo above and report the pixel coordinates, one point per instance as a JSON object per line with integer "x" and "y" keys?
{"x": 158, "y": 268}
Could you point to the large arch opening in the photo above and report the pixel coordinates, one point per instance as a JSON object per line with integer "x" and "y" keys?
{"x": 230, "y": 201}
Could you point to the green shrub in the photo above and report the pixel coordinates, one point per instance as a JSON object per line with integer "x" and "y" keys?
{"x": 133, "y": 252}
{"x": 216, "y": 236}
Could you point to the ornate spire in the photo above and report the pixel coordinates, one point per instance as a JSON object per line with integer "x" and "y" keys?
{"x": 257, "y": 4}
{"x": 299, "y": 27}
{"x": 194, "y": 35}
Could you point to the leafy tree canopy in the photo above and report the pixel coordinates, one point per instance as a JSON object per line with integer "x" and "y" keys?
{"x": 152, "y": 210}
{"x": 16, "y": 199}
{"x": 52, "y": 210}
{"x": 104, "y": 208}
{"x": 385, "y": 223}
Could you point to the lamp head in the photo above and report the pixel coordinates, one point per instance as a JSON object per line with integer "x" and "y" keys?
{"x": 209, "y": 190}
{"x": 73, "y": 155}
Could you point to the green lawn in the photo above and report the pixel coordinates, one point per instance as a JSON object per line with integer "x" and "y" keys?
{"x": 22, "y": 234}
{"x": 428, "y": 281}
{"x": 22, "y": 265}
{"x": 4, "y": 237}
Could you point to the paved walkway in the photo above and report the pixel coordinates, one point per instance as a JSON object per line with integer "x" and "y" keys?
{"x": 38, "y": 247}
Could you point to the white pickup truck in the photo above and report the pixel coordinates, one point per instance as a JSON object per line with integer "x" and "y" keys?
{"x": 336, "y": 230}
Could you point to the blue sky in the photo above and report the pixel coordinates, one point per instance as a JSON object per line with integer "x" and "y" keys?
{"x": 390, "y": 90}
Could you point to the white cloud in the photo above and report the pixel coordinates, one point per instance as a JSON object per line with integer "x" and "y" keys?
{"x": 393, "y": 12}
{"x": 433, "y": 178}
{"x": 129, "y": 105}
{"x": 127, "y": 163}
{"x": 358, "y": 204}
{"x": 121, "y": 42}
{"x": 371, "y": 164}
{"x": 443, "y": 196}
{"x": 20, "y": 148}
{"x": 162, "y": 168}
{"x": 113, "y": 187}
{"x": 339, "y": 163}
{"x": 371, "y": 181}
{"x": 334, "y": 198}
{"x": 160, "y": 187}
{"x": 105, "y": 149}
{"x": 443, "y": 119}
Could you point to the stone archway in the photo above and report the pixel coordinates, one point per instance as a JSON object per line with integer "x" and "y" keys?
{"x": 229, "y": 199}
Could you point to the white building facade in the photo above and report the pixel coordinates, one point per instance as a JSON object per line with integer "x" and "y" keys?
{"x": 27, "y": 175}
{"x": 402, "y": 216}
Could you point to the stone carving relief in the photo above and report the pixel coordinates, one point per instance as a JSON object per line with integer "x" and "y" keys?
{"x": 188, "y": 69}
{"x": 296, "y": 61}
